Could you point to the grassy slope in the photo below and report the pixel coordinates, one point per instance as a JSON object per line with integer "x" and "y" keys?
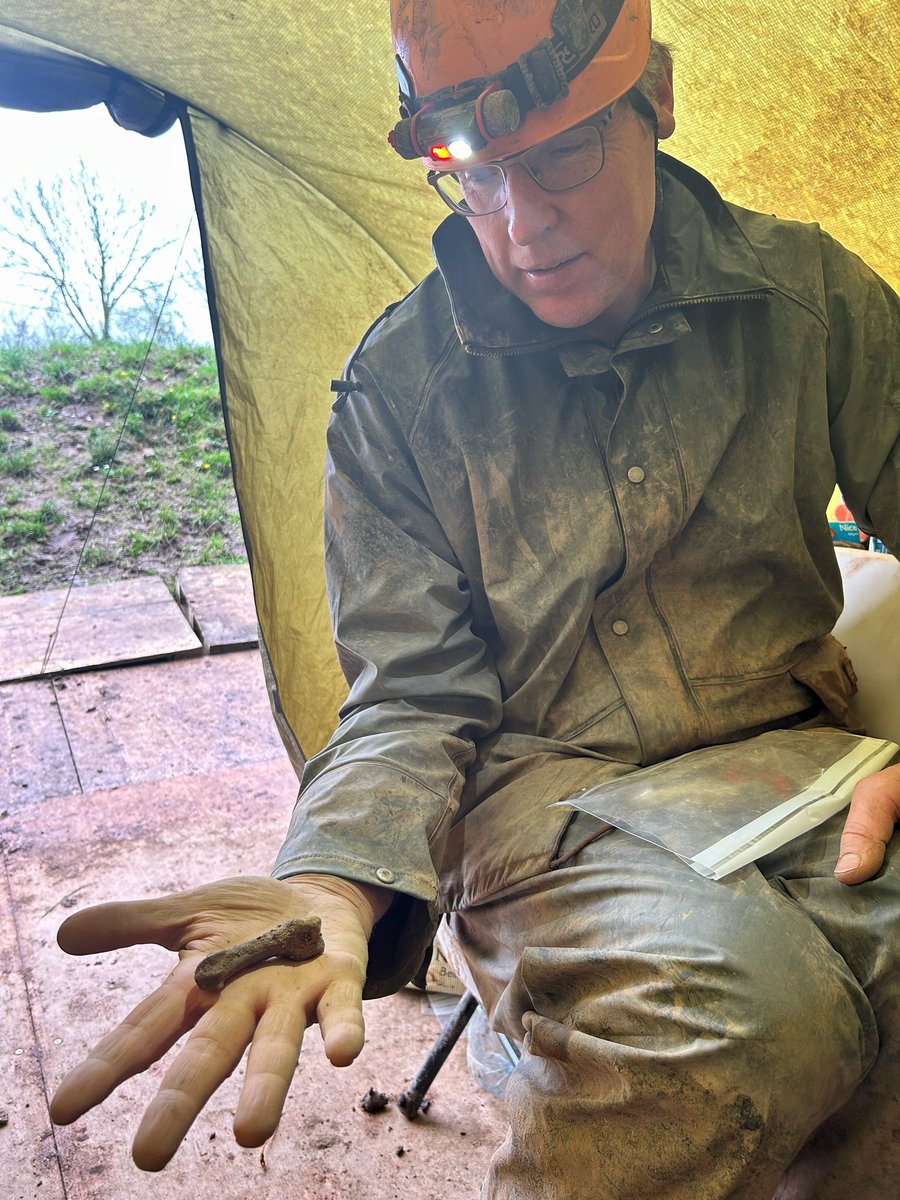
{"x": 72, "y": 417}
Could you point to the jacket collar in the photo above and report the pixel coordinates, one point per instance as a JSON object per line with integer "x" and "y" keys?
{"x": 702, "y": 254}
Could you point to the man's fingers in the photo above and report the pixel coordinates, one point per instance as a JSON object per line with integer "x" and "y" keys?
{"x": 270, "y": 1069}
{"x": 874, "y": 811}
{"x": 220, "y": 913}
{"x": 860, "y": 858}
{"x": 144, "y": 1036}
{"x": 209, "y": 1056}
{"x": 124, "y": 923}
{"x": 341, "y": 1021}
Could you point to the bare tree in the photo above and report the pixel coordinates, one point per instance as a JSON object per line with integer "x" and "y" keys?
{"x": 86, "y": 249}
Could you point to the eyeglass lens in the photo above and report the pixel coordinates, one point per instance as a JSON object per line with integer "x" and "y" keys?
{"x": 561, "y": 163}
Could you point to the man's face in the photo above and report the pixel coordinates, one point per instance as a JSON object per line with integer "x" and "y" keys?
{"x": 581, "y": 255}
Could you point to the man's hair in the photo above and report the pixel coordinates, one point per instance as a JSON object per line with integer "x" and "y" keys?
{"x": 657, "y": 64}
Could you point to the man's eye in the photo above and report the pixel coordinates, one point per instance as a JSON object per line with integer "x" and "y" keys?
{"x": 566, "y": 150}
{"x": 476, "y": 178}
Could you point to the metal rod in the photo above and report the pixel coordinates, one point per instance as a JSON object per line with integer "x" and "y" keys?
{"x": 410, "y": 1101}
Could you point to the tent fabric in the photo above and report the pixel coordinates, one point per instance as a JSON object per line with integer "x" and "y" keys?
{"x": 313, "y": 225}
{"x": 41, "y": 80}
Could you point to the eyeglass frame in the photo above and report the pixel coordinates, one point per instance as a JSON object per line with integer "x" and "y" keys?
{"x": 600, "y": 122}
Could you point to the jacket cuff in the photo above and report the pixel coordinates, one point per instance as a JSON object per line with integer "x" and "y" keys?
{"x": 401, "y": 938}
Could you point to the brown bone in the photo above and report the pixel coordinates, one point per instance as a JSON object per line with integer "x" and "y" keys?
{"x": 299, "y": 939}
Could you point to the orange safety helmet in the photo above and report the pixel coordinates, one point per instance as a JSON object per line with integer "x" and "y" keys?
{"x": 483, "y": 79}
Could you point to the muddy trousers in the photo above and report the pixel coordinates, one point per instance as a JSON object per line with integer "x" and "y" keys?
{"x": 686, "y": 1039}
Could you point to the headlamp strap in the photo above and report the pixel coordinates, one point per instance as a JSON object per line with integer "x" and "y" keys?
{"x": 543, "y": 75}
{"x": 538, "y": 79}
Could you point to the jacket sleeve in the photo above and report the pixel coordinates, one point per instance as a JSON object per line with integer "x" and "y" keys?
{"x": 377, "y": 803}
{"x": 864, "y": 390}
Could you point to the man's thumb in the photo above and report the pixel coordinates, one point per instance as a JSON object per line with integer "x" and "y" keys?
{"x": 874, "y": 810}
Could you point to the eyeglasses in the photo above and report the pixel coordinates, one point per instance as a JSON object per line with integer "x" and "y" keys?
{"x": 563, "y": 162}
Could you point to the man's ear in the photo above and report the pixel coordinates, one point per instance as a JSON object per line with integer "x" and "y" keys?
{"x": 665, "y": 104}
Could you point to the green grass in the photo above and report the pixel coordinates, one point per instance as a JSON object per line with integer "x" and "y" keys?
{"x": 140, "y": 541}
{"x": 210, "y": 510}
{"x": 16, "y": 368}
{"x": 17, "y": 463}
{"x": 95, "y": 555}
{"x": 30, "y": 525}
{"x": 65, "y": 363}
{"x": 190, "y": 403}
{"x": 113, "y": 389}
{"x": 219, "y": 462}
{"x": 56, "y": 394}
{"x": 102, "y": 447}
{"x": 169, "y": 522}
{"x": 214, "y": 551}
{"x": 88, "y": 495}
{"x": 161, "y": 531}
{"x": 16, "y": 359}
{"x": 73, "y": 417}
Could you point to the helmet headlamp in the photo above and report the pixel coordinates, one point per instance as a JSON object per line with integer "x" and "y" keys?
{"x": 457, "y": 131}
{"x": 473, "y": 113}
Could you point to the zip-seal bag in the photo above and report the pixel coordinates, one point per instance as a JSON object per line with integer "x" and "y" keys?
{"x": 722, "y": 807}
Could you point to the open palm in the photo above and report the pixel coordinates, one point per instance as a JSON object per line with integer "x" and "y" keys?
{"x": 268, "y": 1008}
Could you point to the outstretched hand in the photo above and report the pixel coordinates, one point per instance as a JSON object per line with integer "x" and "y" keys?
{"x": 268, "y": 1007}
{"x": 874, "y": 812}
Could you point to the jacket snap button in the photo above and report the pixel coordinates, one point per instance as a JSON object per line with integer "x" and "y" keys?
{"x": 620, "y": 628}
{"x": 655, "y": 328}
{"x": 636, "y": 474}
{"x": 385, "y": 875}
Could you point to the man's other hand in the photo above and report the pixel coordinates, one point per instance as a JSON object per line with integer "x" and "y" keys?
{"x": 874, "y": 811}
{"x": 267, "y": 1007}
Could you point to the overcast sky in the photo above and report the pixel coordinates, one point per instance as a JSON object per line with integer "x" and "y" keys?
{"x": 41, "y": 145}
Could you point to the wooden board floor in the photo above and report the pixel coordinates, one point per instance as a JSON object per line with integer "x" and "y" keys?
{"x": 90, "y": 627}
{"x": 218, "y": 602}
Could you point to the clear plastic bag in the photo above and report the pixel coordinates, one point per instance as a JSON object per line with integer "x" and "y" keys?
{"x": 722, "y": 807}
{"x": 491, "y": 1056}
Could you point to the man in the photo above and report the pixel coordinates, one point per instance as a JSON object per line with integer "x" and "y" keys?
{"x": 549, "y": 569}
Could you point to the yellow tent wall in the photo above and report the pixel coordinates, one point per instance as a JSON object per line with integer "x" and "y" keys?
{"x": 313, "y": 225}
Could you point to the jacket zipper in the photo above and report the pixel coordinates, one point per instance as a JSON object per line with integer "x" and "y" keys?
{"x": 533, "y": 348}
{"x": 688, "y": 301}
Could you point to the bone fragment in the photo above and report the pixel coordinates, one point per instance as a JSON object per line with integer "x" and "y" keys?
{"x": 299, "y": 939}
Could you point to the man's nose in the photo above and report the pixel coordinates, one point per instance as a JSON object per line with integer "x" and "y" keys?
{"x": 530, "y": 211}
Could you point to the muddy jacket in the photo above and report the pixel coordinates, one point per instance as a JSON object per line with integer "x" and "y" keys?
{"x": 552, "y": 560}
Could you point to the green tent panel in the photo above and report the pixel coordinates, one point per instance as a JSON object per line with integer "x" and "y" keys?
{"x": 312, "y": 225}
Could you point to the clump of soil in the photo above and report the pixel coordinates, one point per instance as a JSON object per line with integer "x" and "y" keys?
{"x": 374, "y": 1101}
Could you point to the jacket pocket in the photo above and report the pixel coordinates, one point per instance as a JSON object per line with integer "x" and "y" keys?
{"x": 515, "y": 833}
{"x": 827, "y": 672}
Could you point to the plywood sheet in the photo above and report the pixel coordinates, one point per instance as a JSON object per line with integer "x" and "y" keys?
{"x": 61, "y": 631}
{"x": 35, "y": 760}
{"x": 219, "y": 604}
{"x": 28, "y": 1153}
{"x": 161, "y": 720}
